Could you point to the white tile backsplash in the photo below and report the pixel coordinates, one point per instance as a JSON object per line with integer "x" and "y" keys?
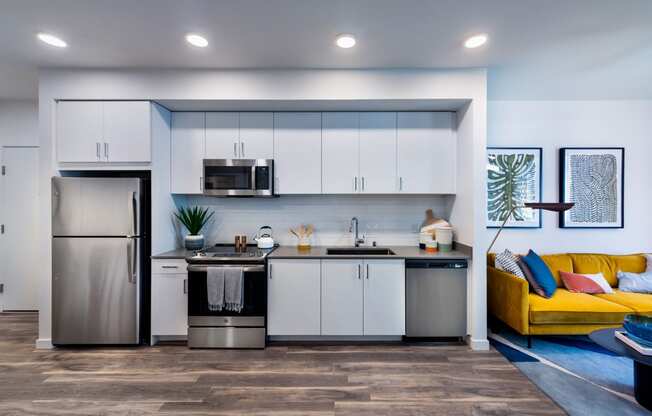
{"x": 389, "y": 220}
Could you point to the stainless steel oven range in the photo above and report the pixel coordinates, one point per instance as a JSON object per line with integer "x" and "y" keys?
{"x": 228, "y": 329}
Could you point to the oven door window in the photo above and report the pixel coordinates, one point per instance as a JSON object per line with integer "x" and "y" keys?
{"x": 254, "y": 296}
{"x": 228, "y": 178}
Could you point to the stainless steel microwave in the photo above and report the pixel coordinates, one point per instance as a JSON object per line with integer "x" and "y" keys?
{"x": 238, "y": 177}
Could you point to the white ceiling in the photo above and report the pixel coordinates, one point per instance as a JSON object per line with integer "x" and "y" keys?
{"x": 538, "y": 48}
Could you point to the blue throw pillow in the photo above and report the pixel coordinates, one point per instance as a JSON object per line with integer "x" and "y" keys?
{"x": 541, "y": 273}
{"x": 635, "y": 282}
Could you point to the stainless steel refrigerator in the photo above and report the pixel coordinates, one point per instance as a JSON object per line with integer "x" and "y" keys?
{"x": 96, "y": 247}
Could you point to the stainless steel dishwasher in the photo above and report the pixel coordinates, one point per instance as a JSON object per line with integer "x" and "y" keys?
{"x": 436, "y": 298}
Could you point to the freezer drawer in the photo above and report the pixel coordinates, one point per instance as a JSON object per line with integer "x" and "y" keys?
{"x": 436, "y": 302}
{"x": 95, "y": 290}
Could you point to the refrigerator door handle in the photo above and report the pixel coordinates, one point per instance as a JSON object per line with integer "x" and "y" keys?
{"x": 134, "y": 213}
{"x": 132, "y": 259}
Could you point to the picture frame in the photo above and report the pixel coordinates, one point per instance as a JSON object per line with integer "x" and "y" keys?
{"x": 526, "y": 162}
{"x": 594, "y": 179}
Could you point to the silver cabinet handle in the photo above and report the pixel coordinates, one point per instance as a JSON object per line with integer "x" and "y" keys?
{"x": 400, "y": 183}
{"x": 363, "y": 183}
{"x": 201, "y": 183}
{"x": 185, "y": 286}
{"x": 359, "y": 271}
{"x": 235, "y": 149}
{"x": 270, "y": 271}
{"x": 169, "y": 267}
{"x": 355, "y": 183}
{"x": 97, "y": 150}
{"x": 106, "y": 151}
{"x": 242, "y": 152}
{"x": 367, "y": 271}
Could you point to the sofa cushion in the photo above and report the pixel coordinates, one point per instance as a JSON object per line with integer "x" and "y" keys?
{"x": 632, "y": 263}
{"x": 639, "y": 302}
{"x": 596, "y": 263}
{"x": 557, "y": 263}
{"x": 575, "y": 308}
{"x": 541, "y": 273}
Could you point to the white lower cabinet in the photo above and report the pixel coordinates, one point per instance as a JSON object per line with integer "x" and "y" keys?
{"x": 293, "y": 297}
{"x": 336, "y": 297}
{"x": 169, "y": 298}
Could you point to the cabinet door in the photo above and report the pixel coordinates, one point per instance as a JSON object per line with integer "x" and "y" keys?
{"x": 427, "y": 153}
{"x": 187, "y": 153}
{"x": 341, "y": 297}
{"x": 297, "y": 153}
{"x": 127, "y": 132}
{"x": 384, "y": 297}
{"x": 293, "y": 299}
{"x": 256, "y": 135}
{"x": 79, "y": 131}
{"x": 378, "y": 153}
{"x": 340, "y": 153}
{"x": 169, "y": 304}
{"x": 222, "y": 136}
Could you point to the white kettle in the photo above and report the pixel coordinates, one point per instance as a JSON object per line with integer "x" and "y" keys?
{"x": 264, "y": 237}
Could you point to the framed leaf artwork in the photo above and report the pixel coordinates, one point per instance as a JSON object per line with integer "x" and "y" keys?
{"x": 593, "y": 178}
{"x": 513, "y": 178}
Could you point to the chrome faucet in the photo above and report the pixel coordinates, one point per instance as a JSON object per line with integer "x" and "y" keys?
{"x": 354, "y": 229}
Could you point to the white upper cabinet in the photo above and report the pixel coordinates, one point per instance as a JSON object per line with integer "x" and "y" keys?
{"x": 378, "y": 153}
{"x": 384, "y": 297}
{"x": 340, "y": 153}
{"x": 103, "y": 131}
{"x": 427, "y": 153}
{"x": 239, "y": 135}
{"x": 187, "y": 152}
{"x": 127, "y": 131}
{"x": 222, "y": 135}
{"x": 297, "y": 153}
{"x": 341, "y": 297}
{"x": 256, "y": 135}
{"x": 79, "y": 131}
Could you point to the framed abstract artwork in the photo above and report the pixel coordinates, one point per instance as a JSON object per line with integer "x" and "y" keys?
{"x": 593, "y": 178}
{"x": 513, "y": 178}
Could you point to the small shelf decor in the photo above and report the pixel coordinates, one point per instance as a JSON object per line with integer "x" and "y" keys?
{"x": 303, "y": 233}
{"x": 194, "y": 219}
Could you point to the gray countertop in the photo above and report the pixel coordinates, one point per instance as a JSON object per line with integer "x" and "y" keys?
{"x": 318, "y": 252}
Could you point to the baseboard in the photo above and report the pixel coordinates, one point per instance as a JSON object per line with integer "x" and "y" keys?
{"x": 478, "y": 344}
{"x": 44, "y": 344}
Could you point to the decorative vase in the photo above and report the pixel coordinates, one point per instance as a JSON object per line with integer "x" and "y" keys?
{"x": 194, "y": 242}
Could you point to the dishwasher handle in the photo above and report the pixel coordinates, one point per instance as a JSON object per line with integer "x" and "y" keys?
{"x": 437, "y": 264}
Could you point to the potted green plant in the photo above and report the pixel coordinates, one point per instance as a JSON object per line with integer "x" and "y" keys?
{"x": 194, "y": 219}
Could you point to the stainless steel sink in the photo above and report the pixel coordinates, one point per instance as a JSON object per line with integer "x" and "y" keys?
{"x": 359, "y": 251}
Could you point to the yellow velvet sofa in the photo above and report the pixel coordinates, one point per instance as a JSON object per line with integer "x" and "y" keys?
{"x": 566, "y": 313}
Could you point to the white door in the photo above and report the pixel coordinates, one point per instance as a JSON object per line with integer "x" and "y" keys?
{"x": 293, "y": 300}
{"x": 169, "y": 304}
{"x": 341, "y": 297}
{"x": 427, "y": 153}
{"x": 384, "y": 297}
{"x": 79, "y": 131}
{"x": 127, "y": 131}
{"x": 340, "y": 150}
{"x": 18, "y": 216}
{"x": 222, "y": 136}
{"x": 256, "y": 135}
{"x": 187, "y": 152}
{"x": 378, "y": 152}
{"x": 297, "y": 153}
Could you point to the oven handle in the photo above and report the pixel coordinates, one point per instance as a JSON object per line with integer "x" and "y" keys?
{"x": 196, "y": 268}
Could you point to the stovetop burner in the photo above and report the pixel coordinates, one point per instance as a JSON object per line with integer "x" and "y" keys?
{"x": 228, "y": 254}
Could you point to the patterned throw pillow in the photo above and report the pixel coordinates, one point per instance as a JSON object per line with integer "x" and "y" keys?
{"x": 508, "y": 262}
{"x": 585, "y": 283}
{"x": 534, "y": 285}
{"x": 635, "y": 282}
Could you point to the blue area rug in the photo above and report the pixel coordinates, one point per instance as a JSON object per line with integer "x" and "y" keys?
{"x": 581, "y": 356}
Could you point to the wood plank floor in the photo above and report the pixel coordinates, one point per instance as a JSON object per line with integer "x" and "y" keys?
{"x": 292, "y": 380}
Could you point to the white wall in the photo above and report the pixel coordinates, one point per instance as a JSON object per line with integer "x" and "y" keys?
{"x": 18, "y": 123}
{"x": 555, "y": 124}
{"x": 462, "y": 84}
{"x": 385, "y": 219}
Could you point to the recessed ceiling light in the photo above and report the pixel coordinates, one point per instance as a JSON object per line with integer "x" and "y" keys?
{"x": 196, "y": 40}
{"x": 345, "y": 41}
{"x": 476, "y": 41}
{"x": 51, "y": 40}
